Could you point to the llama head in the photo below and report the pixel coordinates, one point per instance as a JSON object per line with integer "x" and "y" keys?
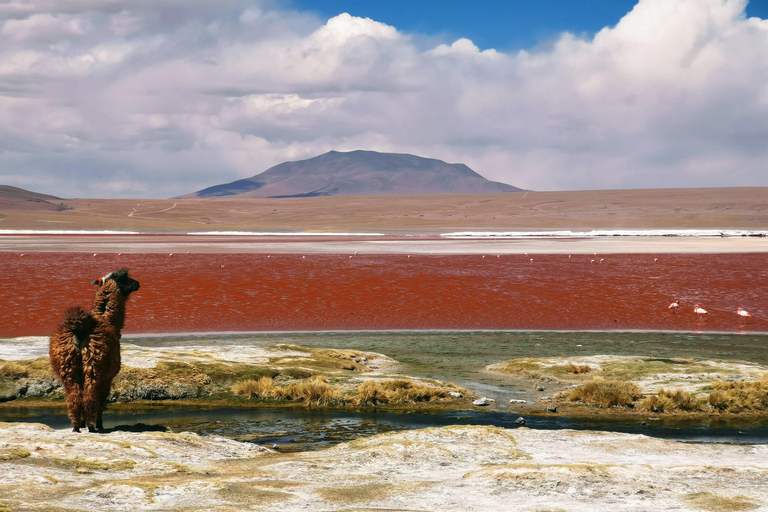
{"x": 119, "y": 280}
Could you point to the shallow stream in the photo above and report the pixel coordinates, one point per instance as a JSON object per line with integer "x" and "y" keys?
{"x": 458, "y": 357}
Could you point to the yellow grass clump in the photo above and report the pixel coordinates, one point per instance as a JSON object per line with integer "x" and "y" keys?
{"x": 264, "y": 388}
{"x": 14, "y": 370}
{"x": 740, "y": 396}
{"x": 376, "y": 392}
{"x": 314, "y": 390}
{"x": 670, "y": 401}
{"x": 578, "y": 369}
{"x": 606, "y": 393}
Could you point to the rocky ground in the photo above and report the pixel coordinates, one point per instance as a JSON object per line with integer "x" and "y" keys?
{"x": 451, "y": 468}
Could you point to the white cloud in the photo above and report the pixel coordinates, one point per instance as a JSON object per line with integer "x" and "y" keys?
{"x": 118, "y": 98}
{"x": 44, "y": 27}
{"x": 463, "y": 47}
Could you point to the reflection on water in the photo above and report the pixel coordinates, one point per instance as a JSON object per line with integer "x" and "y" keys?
{"x": 295, "y": 429}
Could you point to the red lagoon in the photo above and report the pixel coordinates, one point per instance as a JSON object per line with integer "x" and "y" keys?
{"x": 291, "y": 292}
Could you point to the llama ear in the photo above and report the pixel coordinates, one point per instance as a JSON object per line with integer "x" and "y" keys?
{"x": 98, "y": 282}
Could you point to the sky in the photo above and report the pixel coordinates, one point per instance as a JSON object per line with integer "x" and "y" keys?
{"x": 158, "y": 98}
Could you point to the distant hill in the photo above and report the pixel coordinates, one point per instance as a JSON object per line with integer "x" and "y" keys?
{"x": 358, "y": 173}
{"x": 14, "y": 198}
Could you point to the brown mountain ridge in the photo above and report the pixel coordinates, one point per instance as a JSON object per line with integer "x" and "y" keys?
{"x": 14, "y": 198}
{"x": 358, "y": 173}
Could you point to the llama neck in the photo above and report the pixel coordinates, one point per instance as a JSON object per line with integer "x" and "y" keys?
{"x": 110, "y": 305}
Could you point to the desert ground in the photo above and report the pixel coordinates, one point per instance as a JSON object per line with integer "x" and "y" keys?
{"x": 451, "y": 468}
{"x": 735, "y": 208}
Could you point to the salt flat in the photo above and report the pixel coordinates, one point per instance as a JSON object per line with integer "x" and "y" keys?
{"x": 447, "y": 469}
{"x": 350, "y": 244}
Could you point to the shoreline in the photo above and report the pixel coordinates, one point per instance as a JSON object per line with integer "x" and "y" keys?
{"x": 129, "y": 336}
{"x": 565, "y": 410}
{"x": 305, "y": 243}
{"x": 208, "y": 415}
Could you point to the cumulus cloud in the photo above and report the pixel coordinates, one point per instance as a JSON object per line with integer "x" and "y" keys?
{"x": 159, "y": 98}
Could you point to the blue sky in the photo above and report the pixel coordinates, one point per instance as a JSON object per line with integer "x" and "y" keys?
{"x": 162, "y": 98}
{"x": 506, "y": 25}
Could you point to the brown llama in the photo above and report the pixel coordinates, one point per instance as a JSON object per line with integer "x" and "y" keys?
{"x": 85, "y": 349}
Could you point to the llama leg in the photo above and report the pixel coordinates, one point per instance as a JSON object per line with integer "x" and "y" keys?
{"x": 90, "y": 404}
{"x": 103, "y": 395}
{"x": 75, "y": 405}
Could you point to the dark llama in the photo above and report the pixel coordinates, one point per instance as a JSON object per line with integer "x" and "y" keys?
{"x": 85, "y": 349}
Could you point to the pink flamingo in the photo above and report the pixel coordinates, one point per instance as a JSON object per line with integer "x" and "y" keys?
{"x": 700, "y": 311}
{"x": 743, "y": 314}
{"x": 674, "y": 306}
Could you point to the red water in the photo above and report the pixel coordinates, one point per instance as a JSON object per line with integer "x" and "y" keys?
{"x": 250, "y": 292}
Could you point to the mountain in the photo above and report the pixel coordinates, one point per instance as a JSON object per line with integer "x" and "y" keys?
{"x": 358, "y": 173}
{"x": 13, "y": 198}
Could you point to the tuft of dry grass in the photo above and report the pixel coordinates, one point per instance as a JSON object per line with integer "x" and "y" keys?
{"x": 739, "y": 396}
{"x": 670, "y": 401}
{"x": 317, "y": 391}
{"x": 14, "y": 370}
{"x": 379, "y": 392}
{"x": 314, "y": 390}
{"x": 578, "y": 369}
{"x": 606, "y": 393}
{"x": 719, "y": 401}
{"x": 264, "y": 388}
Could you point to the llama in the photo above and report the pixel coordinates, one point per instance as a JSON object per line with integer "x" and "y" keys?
{"x": 85, "y": 349}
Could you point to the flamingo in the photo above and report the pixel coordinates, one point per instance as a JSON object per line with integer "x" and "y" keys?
{"x": 674, "y": 306}
{"x": 700, "y": 311}
{"x": 743, "y": 314}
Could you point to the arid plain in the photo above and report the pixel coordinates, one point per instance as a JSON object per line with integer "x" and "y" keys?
{"x": 734, "y": 208}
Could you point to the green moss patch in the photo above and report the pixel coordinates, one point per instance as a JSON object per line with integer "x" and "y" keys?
{"x": 79, "y": 464}
{"x": 241, "y": 492}
{"x": 715, "y": 503}
{"x": 365, "y": 493}
{"x": 623, "y": 368}
{"x": 14, "y": 453}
